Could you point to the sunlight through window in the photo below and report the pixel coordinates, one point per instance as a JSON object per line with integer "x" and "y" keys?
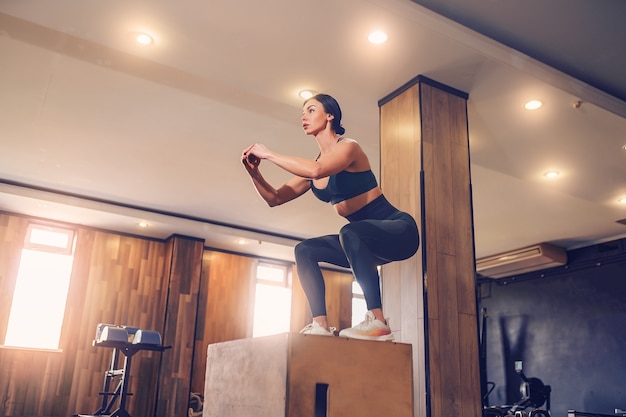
{"x": 272, "y": 301}
{"x": 359, "y": 308}
{"x": 38, "y": 303}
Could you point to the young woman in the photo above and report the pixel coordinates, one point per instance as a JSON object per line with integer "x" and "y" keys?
{"x": 377, "y": 232}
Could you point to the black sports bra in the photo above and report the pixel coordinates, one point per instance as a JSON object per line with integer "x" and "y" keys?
{"x": 345, "y": 185}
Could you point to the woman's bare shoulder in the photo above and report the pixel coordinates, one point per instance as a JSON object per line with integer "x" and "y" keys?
{"x": 348, "y": 140}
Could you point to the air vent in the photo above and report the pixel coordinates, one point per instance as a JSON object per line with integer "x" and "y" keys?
{"x": 520, "y": 261}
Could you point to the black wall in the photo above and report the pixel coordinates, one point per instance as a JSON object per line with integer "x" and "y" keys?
{"x": 567, "y": 325}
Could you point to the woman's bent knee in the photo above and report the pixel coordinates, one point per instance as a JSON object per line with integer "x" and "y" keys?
{"x": 301, "y": 250}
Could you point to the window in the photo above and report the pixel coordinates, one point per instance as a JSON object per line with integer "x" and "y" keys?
{"x": 272, "y": 301}
{"x": 359, "y": 308}
{"x": 38, "y": 303}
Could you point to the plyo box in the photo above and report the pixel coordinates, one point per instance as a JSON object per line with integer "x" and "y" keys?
{"x": 296, "y": 375}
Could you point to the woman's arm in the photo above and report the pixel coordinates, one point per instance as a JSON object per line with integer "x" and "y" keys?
{"x": 343, "y": 156}
{"x": 274, "y": 197}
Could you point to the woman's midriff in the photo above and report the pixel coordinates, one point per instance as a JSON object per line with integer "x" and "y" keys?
{"x": 352, "y": 205}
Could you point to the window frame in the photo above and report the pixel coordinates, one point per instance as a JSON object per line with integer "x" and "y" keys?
{"x": 68, "y": 249}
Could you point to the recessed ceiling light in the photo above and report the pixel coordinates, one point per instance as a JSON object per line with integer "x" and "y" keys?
{"x": 377, "y": 37}
{"x": 143, "y": 224}
{"x": 144, "y": 39}
{"x": 533, "y": 105}
{"x": 242, "y": 241}
{"x": 306, "y": 94}
{"x": 622, "y": 200}
{"x": 551, "y": 174}
{"x": 624, "y": 148}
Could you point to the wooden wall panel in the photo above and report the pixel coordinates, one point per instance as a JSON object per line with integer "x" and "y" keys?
{"x": 20, "y": 369}
{"x": 112, "y": 278}
{"x": 226, "y": 306}
{"x": 12, "y": 234}
{"x": 81, "y": 395}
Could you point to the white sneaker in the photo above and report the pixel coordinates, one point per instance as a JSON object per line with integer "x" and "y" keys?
{"x": 369, "y": 329}
{"x": 314, "y": 328}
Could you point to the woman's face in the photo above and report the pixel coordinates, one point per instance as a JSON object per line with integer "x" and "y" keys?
{"x": 314, "y": 118}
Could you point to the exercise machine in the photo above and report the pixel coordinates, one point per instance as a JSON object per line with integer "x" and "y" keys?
{"x": 125, "y": 341}
{"x": 534, "y": 395}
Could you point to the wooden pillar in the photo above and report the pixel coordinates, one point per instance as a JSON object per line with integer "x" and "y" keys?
{"x": 431, "y": 298}
{"x": 184, "y": 260}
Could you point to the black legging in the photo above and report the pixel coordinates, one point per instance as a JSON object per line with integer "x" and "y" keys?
{"x": 377, "y": 234}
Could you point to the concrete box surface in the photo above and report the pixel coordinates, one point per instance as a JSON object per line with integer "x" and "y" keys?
{"x": 279, "y": 375}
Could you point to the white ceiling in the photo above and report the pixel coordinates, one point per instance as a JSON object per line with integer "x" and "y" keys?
{"x": 99, "y": 131}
